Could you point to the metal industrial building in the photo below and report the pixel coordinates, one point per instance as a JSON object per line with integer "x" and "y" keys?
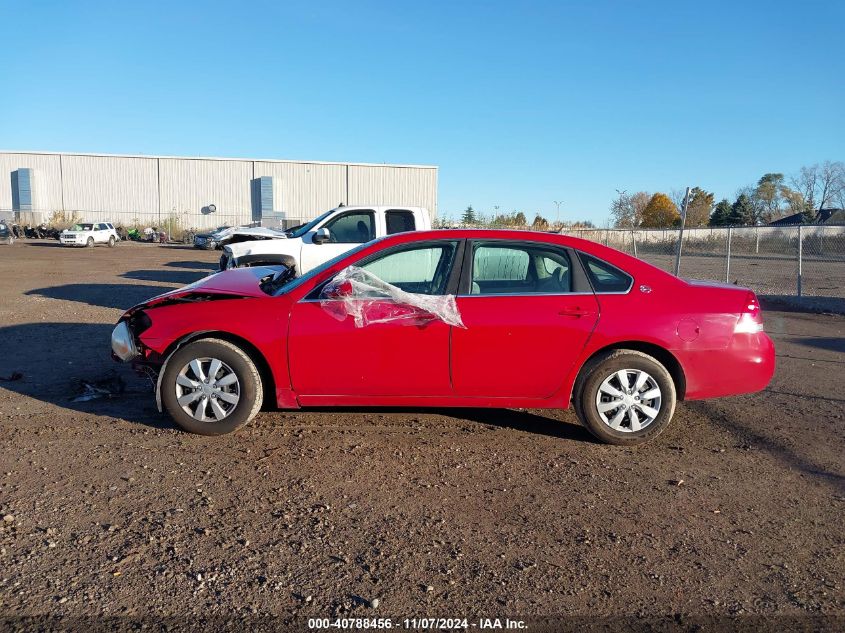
{"x": 198, "y": 192}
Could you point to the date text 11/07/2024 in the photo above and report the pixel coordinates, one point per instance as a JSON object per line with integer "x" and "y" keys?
{"x": 418, "y": 624}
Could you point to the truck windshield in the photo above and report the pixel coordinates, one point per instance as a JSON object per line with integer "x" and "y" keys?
{"x": 302, "y": 230}
{"x": 82, "y": 227}
{"x": 293, "y": 283}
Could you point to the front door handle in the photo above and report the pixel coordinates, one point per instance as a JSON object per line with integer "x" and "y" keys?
{"x": 575, "y": 311}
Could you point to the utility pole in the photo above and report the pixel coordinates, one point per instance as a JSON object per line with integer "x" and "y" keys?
{"x": 557, "y": 204}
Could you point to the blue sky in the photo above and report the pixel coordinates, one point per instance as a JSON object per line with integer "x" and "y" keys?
{"x": 519, "y": 103}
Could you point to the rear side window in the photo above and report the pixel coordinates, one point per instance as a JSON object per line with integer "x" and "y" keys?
{"x": 499, "y": 268}
{"x": 355, "y": 227}
{"x": 606, "y": 277}
{"x": 101, "y": 227}
{"x": 399, "y": 221}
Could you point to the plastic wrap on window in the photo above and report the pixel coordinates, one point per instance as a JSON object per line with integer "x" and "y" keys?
{"x": 368, "y": 299}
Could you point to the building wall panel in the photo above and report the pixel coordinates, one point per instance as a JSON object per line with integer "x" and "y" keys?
{"x": 124, "y": 187}
{"x": 189, "y": 186}
{"x": 304, "y": 190}
{"x": 46, "y": 181}
{"x": 411, "y": 186}
{"x": 170, "y": 191}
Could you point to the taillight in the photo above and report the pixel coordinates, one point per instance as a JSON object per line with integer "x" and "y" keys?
{"x": 751, "y": 318}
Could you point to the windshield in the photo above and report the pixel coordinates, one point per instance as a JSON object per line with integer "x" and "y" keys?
{"x": 302, "y": 230}
{"x": 319, "y": 269}
{"x": 82, "y": 227}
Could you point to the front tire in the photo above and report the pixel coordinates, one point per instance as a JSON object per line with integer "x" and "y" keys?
{"x": 211, "y": 387}
{"x": 625, "y": 397}
{"x": 90, "y": 242}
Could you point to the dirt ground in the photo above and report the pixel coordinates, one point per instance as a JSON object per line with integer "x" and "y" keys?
{"x": 108, "y": 510}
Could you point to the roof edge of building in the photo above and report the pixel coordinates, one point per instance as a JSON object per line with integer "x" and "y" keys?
{"x": 216, "y": 158}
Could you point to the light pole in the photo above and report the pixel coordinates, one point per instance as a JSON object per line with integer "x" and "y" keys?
{"x": 557, "y": 204}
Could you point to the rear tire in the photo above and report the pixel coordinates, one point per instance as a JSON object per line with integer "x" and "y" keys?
{"x": 626, "y": 418}
{"x": 112, "y": 242}
{"x": 241, "y": 398}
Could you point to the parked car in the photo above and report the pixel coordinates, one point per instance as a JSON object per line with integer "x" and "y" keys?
{"x": 331, "y": 234}
{"x": 452, "y": 318}
{"x": 90, "y": 234}
{"x": 212, "y": 240}
{"x": 7, "y": 236}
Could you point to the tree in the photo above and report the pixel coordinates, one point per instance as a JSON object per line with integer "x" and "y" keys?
{"x": 627, "y": 210}
{"x": 519, "y": 219}
{"x": 699, "y": 207}
{"x": 660, "y": 212}
{"x": 540, "y": 223}
{"x": 742, "y": 211}
{"x": 768, "y": 195}
{"x": 821, "y": 185}
{"x": 468, "y": 216}
{"x": 721, "y": 213}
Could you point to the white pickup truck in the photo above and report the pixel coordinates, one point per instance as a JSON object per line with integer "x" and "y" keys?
{"x": 326, "y": 236}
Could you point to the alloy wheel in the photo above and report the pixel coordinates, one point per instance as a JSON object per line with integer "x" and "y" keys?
{"x": 207, "y": 389}
{"x": 628, "y": 400}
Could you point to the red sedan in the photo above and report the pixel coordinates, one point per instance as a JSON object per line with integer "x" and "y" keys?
{"x": 453, "y": 318}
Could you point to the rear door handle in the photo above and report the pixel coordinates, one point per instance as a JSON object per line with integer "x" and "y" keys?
{"x": 575, "y": 311}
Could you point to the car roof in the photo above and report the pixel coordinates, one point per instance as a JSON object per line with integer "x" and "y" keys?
{"x": 618, "y": 258}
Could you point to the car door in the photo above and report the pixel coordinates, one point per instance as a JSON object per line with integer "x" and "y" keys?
{"x": 101, "y": 233}
{"x": 528, "y": 311}
{"x": 330, "y": 358}
{"x": 346, "y": 231}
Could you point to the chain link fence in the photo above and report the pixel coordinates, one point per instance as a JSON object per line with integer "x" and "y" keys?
{"x": 805, "y": 260}
{"x": 175, "y": 224}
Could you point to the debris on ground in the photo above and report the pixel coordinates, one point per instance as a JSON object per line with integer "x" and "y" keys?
{"x": 111, "y": 386}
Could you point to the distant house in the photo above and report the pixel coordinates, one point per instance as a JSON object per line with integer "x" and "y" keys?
{"x": 831, "y": 216}
{"x": 788, "y": 220}
{"x": 823, "y": 216}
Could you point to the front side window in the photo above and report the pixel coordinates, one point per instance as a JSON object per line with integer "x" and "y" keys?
{"x": 606, "y": 277}
{"x": 499, "y": 269}
{"x": 420, "y": 269}
{"x": 399, "y": 221}
{"x": 355, "y": 227}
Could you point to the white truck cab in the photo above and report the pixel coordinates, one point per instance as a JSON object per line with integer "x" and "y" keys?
{"x": 327, "y": 236}
{"x": 89, "y": 234}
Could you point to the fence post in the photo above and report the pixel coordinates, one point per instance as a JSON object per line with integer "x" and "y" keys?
{"x": 681, "y": 233}
{"x": 757, "y": 240}
{"x": 634, "y": 242}
{"x": 800, "y": 256}
{"x": 728, "y": 263}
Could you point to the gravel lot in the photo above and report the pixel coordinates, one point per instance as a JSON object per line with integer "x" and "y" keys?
{"x": 108, "y": 510}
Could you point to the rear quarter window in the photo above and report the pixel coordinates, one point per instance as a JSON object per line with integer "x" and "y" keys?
{"x": 605, "y": 277}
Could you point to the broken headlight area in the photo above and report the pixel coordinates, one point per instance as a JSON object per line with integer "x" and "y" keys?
{"x": 368, "y": 299}
{"x": 125, "y": 344}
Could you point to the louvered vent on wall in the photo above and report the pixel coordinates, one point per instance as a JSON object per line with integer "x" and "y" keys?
{"x": 262, "y": 198}
{"x": 22, "y": 189}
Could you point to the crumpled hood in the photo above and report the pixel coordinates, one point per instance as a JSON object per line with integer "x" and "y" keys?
{"x": 240, "y": 283}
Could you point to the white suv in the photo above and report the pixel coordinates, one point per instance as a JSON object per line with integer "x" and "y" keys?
{"x": 89, "y": 234}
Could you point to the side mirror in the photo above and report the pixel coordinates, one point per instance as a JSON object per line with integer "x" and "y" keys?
{"x": 320, "y": 236}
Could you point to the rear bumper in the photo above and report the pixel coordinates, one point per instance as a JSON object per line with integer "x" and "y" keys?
{"x": 745, "y": 366}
